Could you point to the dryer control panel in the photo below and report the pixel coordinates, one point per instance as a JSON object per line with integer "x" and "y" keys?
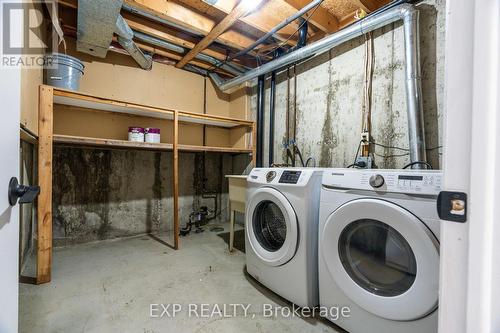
{"x": 290, "y": 177}
{"x": 426, "y": 182}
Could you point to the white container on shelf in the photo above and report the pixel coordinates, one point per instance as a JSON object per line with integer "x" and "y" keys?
{"x": 136, "y": 134}
{"x": 152, "y": 135}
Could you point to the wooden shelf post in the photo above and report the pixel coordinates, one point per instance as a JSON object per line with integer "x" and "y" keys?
{"x": 45, "y": 137}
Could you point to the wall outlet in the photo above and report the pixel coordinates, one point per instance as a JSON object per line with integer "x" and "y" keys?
{"x": 367, "y": 160}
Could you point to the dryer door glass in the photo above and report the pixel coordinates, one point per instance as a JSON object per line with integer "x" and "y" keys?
{"x": 269, "y": 226}
{"x": 377, "y": 257}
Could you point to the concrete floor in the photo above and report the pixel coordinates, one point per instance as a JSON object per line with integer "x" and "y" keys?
{"x": 108, "y": 287}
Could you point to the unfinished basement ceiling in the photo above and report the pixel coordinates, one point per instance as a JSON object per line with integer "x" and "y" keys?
{"x": 186, "y": 23}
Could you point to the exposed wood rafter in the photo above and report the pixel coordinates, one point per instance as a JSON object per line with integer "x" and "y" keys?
{"x": 186, "y": 17}
{"x": 240, "y": 10}
{"x": 262, "y": 20}
{"x": 322, "y": 18}
{"x": 367, "y": 5}
{"x": 228, "y": 23}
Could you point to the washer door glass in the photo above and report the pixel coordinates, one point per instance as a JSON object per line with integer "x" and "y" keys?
{"x": 382, "y": 257}
{"x": 269, "y": 226}
{"x": 377, "y": 257}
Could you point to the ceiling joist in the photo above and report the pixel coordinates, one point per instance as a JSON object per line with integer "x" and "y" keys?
{"x": 218, "y": 30}
{"x": 239, "y": 11}
{"x": 322, "y": 18}
{"x": 190, "y": 19}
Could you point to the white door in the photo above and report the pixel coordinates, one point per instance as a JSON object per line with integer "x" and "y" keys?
{"x": 470, "y": 272}
{"x": 383, "y": 257}
{"x": 271, "y": 226}
{"x": 10, "y": 85}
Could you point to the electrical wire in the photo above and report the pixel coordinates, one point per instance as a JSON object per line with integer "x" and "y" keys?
{"x": 394, "y": 155}
{"x": 258, "y": 56}
{"x": 418, "y": 163}
{"x": 283, "y": 43}
{"x": 311, "y": 159}
{"x": 357, "y": 154}
{"x": 399, "y": 148}
{"x": 391, "y": 156}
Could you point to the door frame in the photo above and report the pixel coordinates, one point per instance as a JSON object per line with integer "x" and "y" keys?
{"x": 471, "y": 154}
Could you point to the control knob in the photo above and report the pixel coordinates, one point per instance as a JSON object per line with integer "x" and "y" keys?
{"x": 377, "y": 181}
{"x": 270, "y": 176}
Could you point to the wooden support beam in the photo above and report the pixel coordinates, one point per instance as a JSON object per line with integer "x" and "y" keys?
{"x": 190, "y": 19}
{"x": 240, "y": 10}
{"x": 175, "y": 177}
{"x": 159, "y": 31}
{"x": 44, "y": 209}
{"x": 164, "y": 32}
{"x": 367, "y": 5}
{"x": 322, "y": 18}
{"x": 266, "y": 18}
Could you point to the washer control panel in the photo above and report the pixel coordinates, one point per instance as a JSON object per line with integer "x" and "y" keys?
{"x": 398, "y": 181}
{"x": 290, "y": 177}
{"x": 282, "y": 176}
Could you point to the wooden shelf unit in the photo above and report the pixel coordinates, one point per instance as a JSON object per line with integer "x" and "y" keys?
{"x": 51, "y": 96}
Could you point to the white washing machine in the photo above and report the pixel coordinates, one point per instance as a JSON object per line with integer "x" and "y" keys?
{"x": 281, "y": 238}
{"x": 379, "y": 249}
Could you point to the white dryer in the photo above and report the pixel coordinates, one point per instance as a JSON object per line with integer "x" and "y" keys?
{"x": 281, "y": 231}
{"x": 379, "y": 249}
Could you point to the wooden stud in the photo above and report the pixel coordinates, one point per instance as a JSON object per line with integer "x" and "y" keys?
{"x": 367, "y": 5}
{"x": 322, "y": 18}
{"x": 263, "y": 19}
{"x": 159, "y": 31}
{"x": 45, "y": 130}
{"x": 191, "y": 19}
{"x": 240, "y": 10}
{"x": 175, "y": 160}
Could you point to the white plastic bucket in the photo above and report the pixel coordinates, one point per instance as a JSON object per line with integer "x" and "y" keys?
{"x": 63, "y": 71}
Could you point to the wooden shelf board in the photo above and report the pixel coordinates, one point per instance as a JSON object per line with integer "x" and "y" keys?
{"x": 124, "y": 144}
{"x": 77, "y": 99}
{"x": 189, "y": 148}
{"x": 111, "y": 143}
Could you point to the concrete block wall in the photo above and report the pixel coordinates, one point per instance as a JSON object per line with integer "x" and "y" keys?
{"x": 329, "y": 97}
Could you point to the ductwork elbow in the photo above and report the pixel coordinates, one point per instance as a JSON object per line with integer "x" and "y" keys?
{"x": 145, "y": 61}
{"x": 125, "y": 36}
{"x": 408, "y": 12}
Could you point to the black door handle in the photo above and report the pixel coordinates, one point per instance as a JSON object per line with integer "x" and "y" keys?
{"x": 452, "y": 206}
{"x": 25, "y": 193}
